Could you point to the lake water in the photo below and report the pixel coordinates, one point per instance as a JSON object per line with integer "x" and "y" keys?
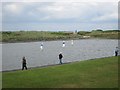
{"x": 84, "y": 49}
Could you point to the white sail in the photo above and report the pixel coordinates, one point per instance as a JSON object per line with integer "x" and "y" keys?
{"x": 63, "y": 44}
{"x": 41, "y": 46}
{"x": 72, "y": 42}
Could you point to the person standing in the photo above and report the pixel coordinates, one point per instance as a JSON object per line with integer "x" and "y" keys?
{"x": 116, "y": 51}
{"x": 60, "y": 57}
{"x": 24, "y": 63}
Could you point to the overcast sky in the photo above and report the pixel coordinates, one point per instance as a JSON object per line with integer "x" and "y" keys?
{"x": 59, "y": 16}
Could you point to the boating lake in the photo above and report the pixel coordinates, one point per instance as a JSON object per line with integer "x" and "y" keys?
{"x": 83, "y": 49}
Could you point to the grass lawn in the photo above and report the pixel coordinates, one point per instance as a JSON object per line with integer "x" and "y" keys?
{"x": 97, "y": 73}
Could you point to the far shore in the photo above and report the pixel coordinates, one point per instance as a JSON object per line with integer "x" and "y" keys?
{"x": 57, "y": 40}
{"x": 36, "y": 36}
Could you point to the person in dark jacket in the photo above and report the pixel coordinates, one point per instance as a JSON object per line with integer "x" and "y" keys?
{"x": 116, "y": 51}
{"x": 24, "y": 63}
{"x": 60, "y": 57}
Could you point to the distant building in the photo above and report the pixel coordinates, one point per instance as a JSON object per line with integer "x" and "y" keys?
{"x": 75, "y": 32}
{"x": 86, "y": 36}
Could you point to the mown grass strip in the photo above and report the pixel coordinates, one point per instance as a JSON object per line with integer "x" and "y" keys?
{"x": 97, "y": 73}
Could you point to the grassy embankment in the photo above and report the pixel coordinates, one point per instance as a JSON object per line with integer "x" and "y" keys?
{"x": 97, "y": 73}
{"x": 108, "y": 34}
{"x": 23, "y": 36}
{"x": 35, "y": 36}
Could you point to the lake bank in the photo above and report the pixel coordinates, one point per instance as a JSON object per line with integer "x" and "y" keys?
{"x": 45, "y": 66}
{"x": 96, "y": 73}
{"x": 29, "y": 36}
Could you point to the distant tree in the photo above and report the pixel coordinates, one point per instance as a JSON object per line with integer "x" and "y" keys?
{"x": 112, "y": 31}
{"x": 98, "y": 30}
{"x": 83, "y": 32}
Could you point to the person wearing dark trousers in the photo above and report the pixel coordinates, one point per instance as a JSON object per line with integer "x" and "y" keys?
{"x": 24, "y": 63}
{"x": 60, "y": 57}
{"x": 116, "y": 51}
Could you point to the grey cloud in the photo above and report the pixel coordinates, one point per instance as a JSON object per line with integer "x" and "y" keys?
{"x": 51, "y": 11}
{"x": 59, "y": 12}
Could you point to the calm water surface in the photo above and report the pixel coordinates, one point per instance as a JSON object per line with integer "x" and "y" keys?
{"x": 12, "y": 53}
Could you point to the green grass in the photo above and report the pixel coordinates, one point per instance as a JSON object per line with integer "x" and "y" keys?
{"x": 0, "y": 80}
{"x": 26, "y": 36}
{"x": 108, "y": 34}
{"x": 98, "y": 73}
